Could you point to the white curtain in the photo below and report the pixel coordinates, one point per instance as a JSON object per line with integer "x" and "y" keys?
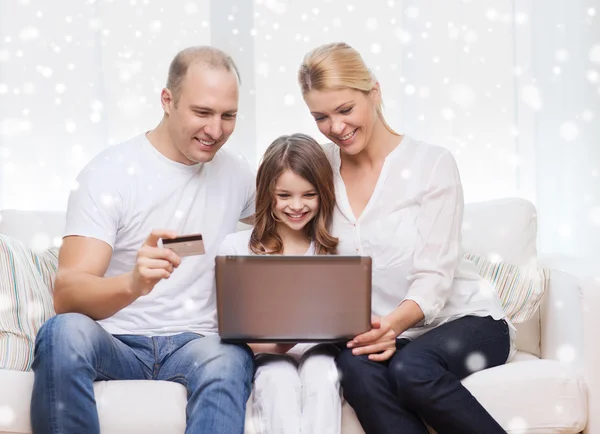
{"x": 511, "y": 87}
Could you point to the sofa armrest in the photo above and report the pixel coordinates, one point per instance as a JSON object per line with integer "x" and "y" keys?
{"x": 575, "y": 330}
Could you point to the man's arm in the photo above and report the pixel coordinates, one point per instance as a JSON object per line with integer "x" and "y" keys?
{"x": 80, "y": 286}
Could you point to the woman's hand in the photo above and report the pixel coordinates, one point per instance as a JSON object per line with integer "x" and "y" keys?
{"x": 379, "y": 342}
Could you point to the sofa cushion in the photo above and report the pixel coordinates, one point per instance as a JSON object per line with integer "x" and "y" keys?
{"x": 527, "y": 395}
{"x": 25, "y": 300}
{"x": 504, "y": 228}
{"x": 520, "y": 289}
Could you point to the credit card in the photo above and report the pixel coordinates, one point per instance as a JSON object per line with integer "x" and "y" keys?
{"x": 186, "y": 245}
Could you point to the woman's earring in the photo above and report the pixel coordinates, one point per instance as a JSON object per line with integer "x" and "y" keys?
{"x": 274, "y": 217}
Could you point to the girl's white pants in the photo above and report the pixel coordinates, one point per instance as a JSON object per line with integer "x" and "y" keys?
{"x": 292, "y": 400}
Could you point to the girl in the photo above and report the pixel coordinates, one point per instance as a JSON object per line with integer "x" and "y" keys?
{"x": 400, "y": 201}
{"x": 295, "y": 389}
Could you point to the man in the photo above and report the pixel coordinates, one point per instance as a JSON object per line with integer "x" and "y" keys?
{"x": 128, "y": 308}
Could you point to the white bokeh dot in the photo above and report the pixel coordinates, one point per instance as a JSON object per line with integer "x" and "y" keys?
{"x": 517, "y": 425}
{"x": 593, "y": 76}
{"x": 70, "y": 126}
{"x": 595, "y": 215}
{"x": 463, "y": 95}
{"x": 371, "y": 24}
{"x": 40, "y": 241}
{"x": 595, "y": 54}
{"x": 7, "y": 416}
{"x": 375, "y": 48}
{"x": 531, "y": 96}
{"x": 155, "y": 26}
{"x": 476, "y": 362}
{"x": 289, "y": 99}
{"x": 406, "y": 174}
{"x": 412, "y": 13}
{"x": 566, "y": 353}
{"x": 191, "y": 8}
{"x": 263, "y": 69}
{"x": 569, "y": 131}
{"x": 564, "y": 230}
{"x": 494, "y": 258}
{"x": 409, "y": 89}
{"x": 448, "y": 113}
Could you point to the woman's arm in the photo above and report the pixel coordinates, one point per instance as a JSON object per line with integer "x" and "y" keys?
{"x": 436, "y": 255}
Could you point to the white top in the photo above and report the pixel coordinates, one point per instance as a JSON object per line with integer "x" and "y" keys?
{"x": 411, "y": 227}
{"x": 128, "y": 190}
{"x": 237, "y": 244}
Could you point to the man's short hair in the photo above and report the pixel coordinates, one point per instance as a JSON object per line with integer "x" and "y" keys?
{"x": 210, "y": 57}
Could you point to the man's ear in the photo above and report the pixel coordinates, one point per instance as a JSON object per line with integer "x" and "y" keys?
{"x": 167, "y": 101}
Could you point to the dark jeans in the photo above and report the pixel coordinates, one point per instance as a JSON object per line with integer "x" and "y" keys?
{"x": 422, "y": 380}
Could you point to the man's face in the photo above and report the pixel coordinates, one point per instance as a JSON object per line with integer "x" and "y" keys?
{"x": 204, "y": 117}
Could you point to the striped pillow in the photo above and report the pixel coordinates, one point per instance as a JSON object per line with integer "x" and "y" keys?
{"x": 26, "y": 282}
{"x": 520, "y": 291}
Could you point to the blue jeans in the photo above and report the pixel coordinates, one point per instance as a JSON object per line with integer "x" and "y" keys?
{"x": 72, "y": 351}
{"x": 422, "y": 380}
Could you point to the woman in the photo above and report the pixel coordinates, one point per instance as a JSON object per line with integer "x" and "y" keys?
{"x": 400, "y": 201}
{"x": 296, "y": 388}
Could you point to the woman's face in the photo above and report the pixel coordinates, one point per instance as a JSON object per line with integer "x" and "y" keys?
{"x": 296, "y": 200}
{"x": 346, "y": 117}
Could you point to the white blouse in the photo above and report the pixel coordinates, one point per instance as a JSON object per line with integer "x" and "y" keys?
{"x": 411, "y": 228}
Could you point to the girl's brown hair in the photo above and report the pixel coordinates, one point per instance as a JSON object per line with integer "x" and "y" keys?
{"x": 302, "y": 155}
{"x": 337, "y": 66}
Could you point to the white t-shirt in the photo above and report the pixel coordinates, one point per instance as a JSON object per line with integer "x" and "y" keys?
{"x": 237, "y": 244}
{"x": 411, "y": 227}
{"x": 131, "y": 188}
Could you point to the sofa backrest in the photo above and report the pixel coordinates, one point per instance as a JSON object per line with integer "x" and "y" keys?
{"x": 504, "y": 228}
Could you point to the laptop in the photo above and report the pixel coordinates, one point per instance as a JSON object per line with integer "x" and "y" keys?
{"x": 271, "y": 298}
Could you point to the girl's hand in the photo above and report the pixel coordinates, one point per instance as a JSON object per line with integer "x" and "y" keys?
{"x": 379, "y": 342}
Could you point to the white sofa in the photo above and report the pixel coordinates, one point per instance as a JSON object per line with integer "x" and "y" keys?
{"x": 552, "y": 386}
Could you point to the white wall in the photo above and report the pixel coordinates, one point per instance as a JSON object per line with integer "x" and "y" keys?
{"x": 512, "y": 87}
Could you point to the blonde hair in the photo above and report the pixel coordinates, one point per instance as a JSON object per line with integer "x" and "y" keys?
{"x": 210, "y": 57}
{"x": 337, "y": 66}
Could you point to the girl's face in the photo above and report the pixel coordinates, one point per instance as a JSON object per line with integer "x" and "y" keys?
{"x": 296, "y": 200}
